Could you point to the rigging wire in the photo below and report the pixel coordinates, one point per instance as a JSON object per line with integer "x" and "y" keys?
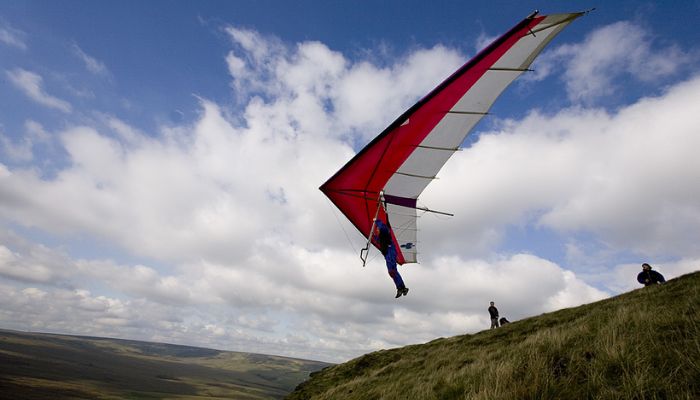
{"x": 352, "y": 245}
{"x": 335, "y": 213}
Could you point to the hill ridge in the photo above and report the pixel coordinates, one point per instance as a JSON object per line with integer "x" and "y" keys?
{"x": 642, "y": 344}
{"x": 56, "y": 366}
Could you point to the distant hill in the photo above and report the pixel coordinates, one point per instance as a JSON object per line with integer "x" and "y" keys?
{"x": 47, "y": 366}
{"x": 644, "y": 344}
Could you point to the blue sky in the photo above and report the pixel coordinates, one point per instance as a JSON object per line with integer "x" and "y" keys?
{"x": 159, "y": 166}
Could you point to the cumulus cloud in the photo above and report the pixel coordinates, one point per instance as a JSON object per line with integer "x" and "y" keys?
{"x": 22, "y": 149}
{"x": 627, "y": 178}
{"x": 607, "y": 55}
{"x": 31, "y": 85}
{"x": 304, "y": 309}
{"x": 16, "y": 150}
{"x": 78, "y": 311}
{"x": 24, "y": 261}
{"x": 252, "y": 62}
{"x": 12, "y": 266}
{"x": 333, "y": 96}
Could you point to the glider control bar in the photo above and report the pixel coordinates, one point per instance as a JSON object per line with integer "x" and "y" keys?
{"x": 364, "y": 253}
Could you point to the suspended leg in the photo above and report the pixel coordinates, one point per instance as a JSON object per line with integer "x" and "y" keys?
{"x": 390, "y": 258}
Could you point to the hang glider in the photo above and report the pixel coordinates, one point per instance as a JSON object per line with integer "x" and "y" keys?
{"x": 386, "y": 177}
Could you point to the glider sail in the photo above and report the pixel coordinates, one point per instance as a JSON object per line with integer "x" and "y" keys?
{"x": 386, "y": 177}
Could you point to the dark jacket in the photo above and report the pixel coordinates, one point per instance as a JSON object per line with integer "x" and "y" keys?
{"x": 493, "y": 311}
{"x": 650, "y": 277}
{"x": 384, "y": 238}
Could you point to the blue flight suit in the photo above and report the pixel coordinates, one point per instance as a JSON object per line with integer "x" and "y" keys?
{"x": 386, "y": 246}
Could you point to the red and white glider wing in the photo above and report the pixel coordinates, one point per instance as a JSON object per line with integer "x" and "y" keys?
{"x": 407, "y": 155}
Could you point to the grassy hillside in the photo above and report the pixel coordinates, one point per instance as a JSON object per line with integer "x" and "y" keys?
{"x": 43, "y": 366}
{"x": 640, "y": 345}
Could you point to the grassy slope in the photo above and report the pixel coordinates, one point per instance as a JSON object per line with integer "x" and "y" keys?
{"x": 639, "y": 345}
{"x": 43, "y": 366}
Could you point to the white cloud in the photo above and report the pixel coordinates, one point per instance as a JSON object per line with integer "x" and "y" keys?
{"x": 22, "y": 149}
{"x": 607, "y": 55}
{"x": 12, "y": 37}
{"x": 254, "y": 70}
{"x": 484, "y": 40}
{"x": 331, "y": 94}
{"x": 302, "y": 308}
{"x": 78, "y": 311}
{"x": 192, "y": 192}
{"x": 92, "y": 64}
{"x": 12, "y": 266}
{"x": 17, "y": 151}
{"x": 368, "y": 98}
{"x": 31, "y": 84}
{"x": 627, "y": 178}
{"x": 35, "y": 263}
{"x": 36, "y": 132}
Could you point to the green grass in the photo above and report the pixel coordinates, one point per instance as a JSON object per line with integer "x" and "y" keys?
{"x": 44, "y": 366}
{"x": 639, "y": 345}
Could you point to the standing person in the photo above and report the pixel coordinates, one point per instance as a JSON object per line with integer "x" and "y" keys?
{"x": 386, "y": 246}
{"x": 493, "y": 312}
{"x": 648, "y": 277}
